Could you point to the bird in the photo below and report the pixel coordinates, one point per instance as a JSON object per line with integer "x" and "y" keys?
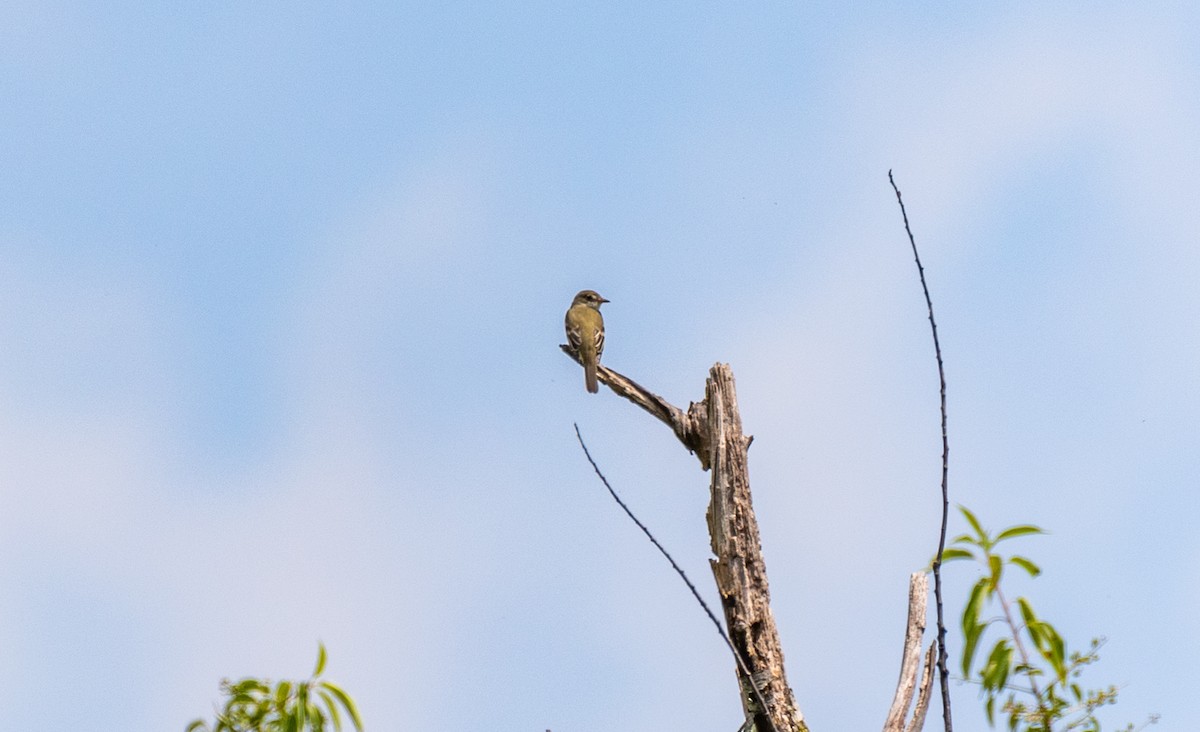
{"x": 585, "y": 333}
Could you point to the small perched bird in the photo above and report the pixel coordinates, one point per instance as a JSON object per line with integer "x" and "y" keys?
{"x": 585, "y": 333}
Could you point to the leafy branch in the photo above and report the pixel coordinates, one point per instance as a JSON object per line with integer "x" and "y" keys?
{"x": 1029, "y": 669}
{"x": 254, "y": 705}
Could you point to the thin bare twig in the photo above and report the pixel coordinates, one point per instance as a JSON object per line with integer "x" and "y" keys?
{"x": 943, "y": 672}
{"x": 742, "y": 665}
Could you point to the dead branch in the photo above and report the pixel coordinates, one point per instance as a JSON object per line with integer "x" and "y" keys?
{"x": 688, "y": 427}
{"x": 918, "y": 593}
{"x": 712, "y": 430}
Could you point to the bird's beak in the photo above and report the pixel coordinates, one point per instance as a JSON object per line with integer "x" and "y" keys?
{"x": 603, "y": 300}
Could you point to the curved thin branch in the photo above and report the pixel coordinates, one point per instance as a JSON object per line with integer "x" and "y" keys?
{"x": 943, "y": 672}
{"x": 754, "y": 689}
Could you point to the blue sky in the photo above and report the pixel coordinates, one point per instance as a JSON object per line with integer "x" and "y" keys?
{"x": 281, "y": 289}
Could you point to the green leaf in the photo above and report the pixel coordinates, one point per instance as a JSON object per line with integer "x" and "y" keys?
{"x": 994, "y": 674}
{"x": 1037, "y": 631}
{"x": 996, "y": 566}
{"x": 300, "y": 714}
{"x": 971, "y": 626}
{"x": 334, "y": 714}
{"x": 951, "y": 554}
{"x": 249, "y": 686}
{"x": 1014, "y": 531}
{"x": 970, "y": 643}
{"x": 983, "y": 537}
{"x": 1026, "y": 565}
{"x": 197, "y": 726}
{"x": 261, "y": 711}
{"x": 346, "y": 701}
{"x": 1027, "y": 613}
{"x": 320, "y": 659}
{"x": 1058, "y": 654}
{"x": 316, "y": 718}
{"x": 975, "y": 603}
{"x": 282, "y": 691}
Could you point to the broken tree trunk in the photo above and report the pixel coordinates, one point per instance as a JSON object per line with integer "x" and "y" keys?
{"x": 739, "y": 569}
{"x": 712, "y": 431}
{"x": 914, "y": 678}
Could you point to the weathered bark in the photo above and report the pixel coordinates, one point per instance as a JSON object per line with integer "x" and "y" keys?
{"x": 918, "y": 594}
{"x": 739, "y": 569}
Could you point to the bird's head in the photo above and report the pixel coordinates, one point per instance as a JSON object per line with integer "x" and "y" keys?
{"x": 591, "y": 298}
